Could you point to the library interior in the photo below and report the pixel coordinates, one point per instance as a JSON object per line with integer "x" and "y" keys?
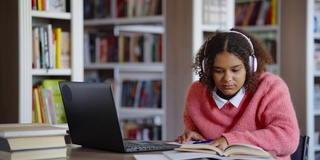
{"x": 145, "y": 49}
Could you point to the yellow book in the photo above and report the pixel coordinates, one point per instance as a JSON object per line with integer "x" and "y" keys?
{"x": 274, "y": 12}
{"x": 57, "y": 32}
{"x": 37, "y": 112}
{"x": 121, "y": 48}
{"x": 40, "y": 5}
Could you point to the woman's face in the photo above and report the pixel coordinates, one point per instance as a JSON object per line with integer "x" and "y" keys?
{"x": 229, "y": 73}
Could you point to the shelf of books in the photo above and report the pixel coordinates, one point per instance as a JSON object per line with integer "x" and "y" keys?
{"x": 216, "y": 15}
{"x": 56, "y": 56}
{"x": 316, "y": 74}
{"x": 123, "y": 46}
{"x": 261, "y": 18}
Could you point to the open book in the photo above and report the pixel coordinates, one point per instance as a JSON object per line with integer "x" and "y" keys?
{"x": 233, "y": 150}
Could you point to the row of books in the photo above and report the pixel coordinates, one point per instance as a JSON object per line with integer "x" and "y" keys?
{"x": 317, "y": 137}
{"x": 141, "y": 93}
{"x": 271, "y": 45}
{"x": 47, "y": 104}
{"x": 316, "y": 96}
{"x": 141, "y": 129}
{"x": 49, "y": 5}
{"x": 95, "y": 9}
{"x": 50, "y": 47}
{"x": 316, "y": 18}
{"x": 99, "y": 76}
{"x": 256, "y": 13}
{"x": 27, "y": 141}
{"x": 100, "y": 47}
{"x": 140, "y": 48}
{"x": 317, "y": 55}
{"x": 269, "y": 39}
{"x": 215, "y": 12}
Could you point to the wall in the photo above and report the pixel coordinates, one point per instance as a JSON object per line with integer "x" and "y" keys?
{"x": 9, "y": 62}
{"x": 293, "y": 55}
{"x": 178, "y": 61}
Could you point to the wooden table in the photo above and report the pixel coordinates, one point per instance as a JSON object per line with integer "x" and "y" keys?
{"x": 79, "y": 153}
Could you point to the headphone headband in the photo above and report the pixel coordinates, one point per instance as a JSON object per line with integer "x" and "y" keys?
{"x": 231, "y": 31}
{"x": 252, "y": 58}
{"x": 247, "y": 38}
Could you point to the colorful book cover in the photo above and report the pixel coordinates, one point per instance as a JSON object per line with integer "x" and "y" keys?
{"x": 53, "y": 85}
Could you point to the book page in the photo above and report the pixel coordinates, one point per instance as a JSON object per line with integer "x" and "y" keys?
{"x": 246, "y": 150}
{"x": 181, "y": 155}
{"x": 236, "y": 151}
{"x": 205, "y": 148}
{"x": 174, "y": 155}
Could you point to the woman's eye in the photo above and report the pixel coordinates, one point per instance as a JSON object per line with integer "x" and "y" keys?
{"x": 218, "y": 71}
{"x": 235, "y": 70}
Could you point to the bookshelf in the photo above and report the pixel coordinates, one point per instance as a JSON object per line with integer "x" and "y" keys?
{"x": 266, "y": 28}
{"x": 204, "y": 26}
{"x": 120, "y": 67}
{"x": 316, "y": 70}
{"x": 297, "y": 66}
{"x": 16, "y": 65}
{"x": 174, "y": 70}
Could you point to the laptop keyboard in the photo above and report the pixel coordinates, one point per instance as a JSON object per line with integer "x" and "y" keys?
{"x": 131, "y": 146}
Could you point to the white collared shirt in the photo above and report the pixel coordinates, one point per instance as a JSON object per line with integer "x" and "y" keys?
{"x": 235, "y": 101}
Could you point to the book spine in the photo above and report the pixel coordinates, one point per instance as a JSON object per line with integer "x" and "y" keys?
{"x": 37, "y": 112}
{"x": 42, "y": 107}
{"x": 57, "y": 32}
{"x": 274, "y": 12}
{"x": 39, "y": 5}
{"x": 34, "y": 5}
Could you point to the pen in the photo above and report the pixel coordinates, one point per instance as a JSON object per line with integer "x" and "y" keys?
{"x": 201, "y": 142}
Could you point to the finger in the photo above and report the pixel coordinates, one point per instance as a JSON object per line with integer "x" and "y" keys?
{"x": 184, "y": 138}
{"x": 180, "y": 139}
{"x": 214, "y": 143}
{"x": 201, "y": 138}
{"x": 192, "y": 136}
{"x": 198, "y": 137}
{"x": 177, "y": 139}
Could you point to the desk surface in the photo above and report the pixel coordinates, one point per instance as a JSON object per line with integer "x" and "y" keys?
{"x": 79, "y": 153}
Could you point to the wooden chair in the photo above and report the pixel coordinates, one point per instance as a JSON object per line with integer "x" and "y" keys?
{"x": 302, "y": 151}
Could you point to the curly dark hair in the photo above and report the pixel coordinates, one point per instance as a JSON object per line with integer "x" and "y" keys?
{"x": 238, "y": 45}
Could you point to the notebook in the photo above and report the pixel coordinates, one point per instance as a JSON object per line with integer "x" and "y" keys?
{"x": 93, "y": 121}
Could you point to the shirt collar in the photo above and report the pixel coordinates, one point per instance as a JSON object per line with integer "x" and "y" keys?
{"x": 235, "y": 101}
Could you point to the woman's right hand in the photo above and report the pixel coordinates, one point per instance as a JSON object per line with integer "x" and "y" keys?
{"x": 189, "y": 136}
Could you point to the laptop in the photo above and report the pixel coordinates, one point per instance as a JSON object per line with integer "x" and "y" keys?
{"x": 93, "y": 121}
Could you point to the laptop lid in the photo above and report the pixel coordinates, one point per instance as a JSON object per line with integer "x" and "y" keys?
{"x": 91, "y": 115}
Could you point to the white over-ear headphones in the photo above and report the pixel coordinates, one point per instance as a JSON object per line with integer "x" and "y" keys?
{"x": 253, "y": 63}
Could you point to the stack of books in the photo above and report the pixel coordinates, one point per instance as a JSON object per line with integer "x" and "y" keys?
{"x": 32, "y": 141}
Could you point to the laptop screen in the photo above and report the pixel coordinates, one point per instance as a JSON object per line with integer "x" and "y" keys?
{"x": 91, "y": 115}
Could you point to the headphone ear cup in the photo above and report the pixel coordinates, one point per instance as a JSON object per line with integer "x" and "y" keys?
{"x": 253, "y": 63}
{"x": 204, "y": 64}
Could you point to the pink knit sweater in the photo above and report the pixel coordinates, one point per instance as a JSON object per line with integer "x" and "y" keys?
{"x": 266, "y": 118}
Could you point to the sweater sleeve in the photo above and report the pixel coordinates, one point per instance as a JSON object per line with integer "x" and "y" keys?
{"x": 279, "y": 129}
{"x": 188, "y": 122}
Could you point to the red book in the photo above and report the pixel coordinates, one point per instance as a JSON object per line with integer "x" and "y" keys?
{"x": 34, "y": 4}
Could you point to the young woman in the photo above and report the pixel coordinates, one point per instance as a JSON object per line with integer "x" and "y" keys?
{"x": 236, "y": 100}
